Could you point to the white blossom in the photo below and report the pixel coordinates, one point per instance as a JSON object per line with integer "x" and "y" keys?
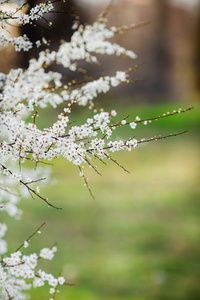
{"x": 47, "y": 253}
{"x": 133, "y": 125}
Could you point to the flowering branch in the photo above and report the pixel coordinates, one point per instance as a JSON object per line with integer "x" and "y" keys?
{"x": 23, "y": 93}
{"x": 161, "y": 137}
{"x": 31, "y": 191}
{"x": 24, "y": 266}
{"x": 37, "y": 231}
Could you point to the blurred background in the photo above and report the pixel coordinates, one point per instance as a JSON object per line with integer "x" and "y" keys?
{"x": 140, "y": 238}
{"x": 168, "y": 47}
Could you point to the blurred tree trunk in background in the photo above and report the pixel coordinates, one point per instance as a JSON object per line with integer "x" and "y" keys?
{"x": 197, "y": 51}
{"x": 161, "y": 52}
{"x": 62, "y": 20}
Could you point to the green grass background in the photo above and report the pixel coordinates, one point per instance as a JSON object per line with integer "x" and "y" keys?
{"x": 140, "y": 238}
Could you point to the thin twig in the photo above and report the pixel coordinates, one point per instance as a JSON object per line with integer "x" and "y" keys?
{"x": 115, "y": 161}
{"x": 31, "y": 190}
{"x": 30, "y": 236}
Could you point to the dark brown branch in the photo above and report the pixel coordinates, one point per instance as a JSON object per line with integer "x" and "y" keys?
{"x": 115, "y": 161}
{"x": 86, "y": 182}
{"x": 31, "y": 190}
{"x": 30, "y": 236}
{"x": 164, "y": 115}
{"x": 161, "y": 137}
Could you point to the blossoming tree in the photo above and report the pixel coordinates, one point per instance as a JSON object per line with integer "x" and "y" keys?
{"x": 21, "y": 93}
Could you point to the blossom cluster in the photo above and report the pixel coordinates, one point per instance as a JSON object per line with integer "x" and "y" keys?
{"x": 16, "y": 15}
{"x": 16, "y": 268}
{"x": 23, "y": 92}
